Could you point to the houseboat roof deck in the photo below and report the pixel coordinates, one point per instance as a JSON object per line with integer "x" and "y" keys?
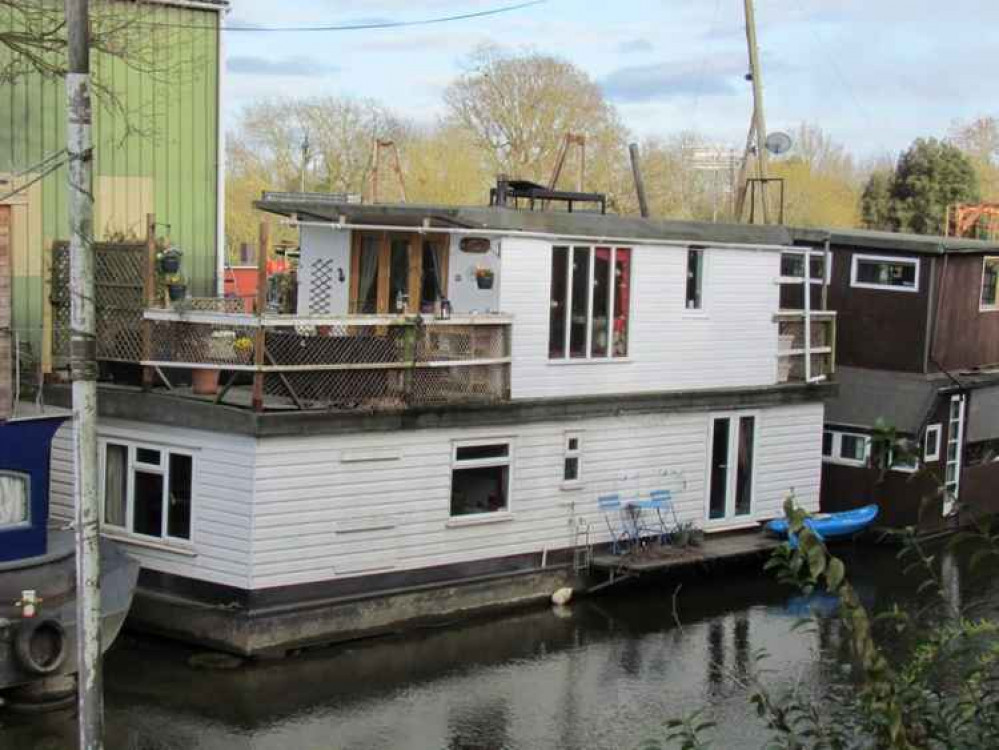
{"x": 925, "y": 244}
{"x": 492, "y": 219}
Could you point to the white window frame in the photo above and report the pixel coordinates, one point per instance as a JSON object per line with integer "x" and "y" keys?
{"x": 702, "y": 269}
{"x": 132, "y": 465}
{"x": 480, "y": 463}
{"x": 731, "y": 479}
{"x": 567, "y": 357}
{"x": 576, "y": 453}
{"x": 826, "y": 278}
{"x": 26, "y": 479}
{"x": 837, "y": 449}
{"x": 937, "y": 431}
{"x": 902, "y": 468}
{"x": 894, "y": 259}
{"x": 982, "y": 307}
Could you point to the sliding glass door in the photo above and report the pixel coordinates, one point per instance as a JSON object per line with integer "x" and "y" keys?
{"x": 731, "y": 468}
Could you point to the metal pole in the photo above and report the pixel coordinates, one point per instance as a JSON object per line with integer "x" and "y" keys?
{"x": 636, "y": 170}
{"x": 83, "y": 359}
{"x": 758, "y": 118}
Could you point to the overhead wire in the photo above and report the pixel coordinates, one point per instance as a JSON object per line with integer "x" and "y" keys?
{"x": 362, "y": 26}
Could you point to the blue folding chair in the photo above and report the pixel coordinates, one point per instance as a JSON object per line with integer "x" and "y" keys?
{"x": 621, "y": 537}
{"x": 661, "y": 501}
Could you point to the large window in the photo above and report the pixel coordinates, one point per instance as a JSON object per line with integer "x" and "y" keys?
{"x": 990, "y": 284}
{"x": 480, "y": 478}
{"x": 590, "y": 303}
{"x": 15, "y": 499}
{"x": 394, "y": 273}
{"x": 882, "y": 272}
{"x": 148, "y": 490}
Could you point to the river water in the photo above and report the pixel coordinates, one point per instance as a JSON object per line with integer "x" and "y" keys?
{"x": 608, "y": 672}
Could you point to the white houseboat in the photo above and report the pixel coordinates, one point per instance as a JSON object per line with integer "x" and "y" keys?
{"x": 430, "y": 430}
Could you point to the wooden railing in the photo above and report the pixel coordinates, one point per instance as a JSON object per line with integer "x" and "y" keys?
{"x": 802, "y": 358}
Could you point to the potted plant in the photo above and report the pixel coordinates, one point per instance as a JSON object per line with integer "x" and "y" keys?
{"x": 484, "y": 277}
{"x": 176, "y": 288}
{"x": 169, "y": 260}
{"x": 243, "y": 348}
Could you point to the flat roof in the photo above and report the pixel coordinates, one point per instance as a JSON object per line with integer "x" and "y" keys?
{"x": 320, "y": 207}
{"x": 902, "y": 242}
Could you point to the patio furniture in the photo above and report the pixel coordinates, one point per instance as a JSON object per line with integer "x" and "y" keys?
{"x": 661, "y": 501}
{"x": 622, "y": 532}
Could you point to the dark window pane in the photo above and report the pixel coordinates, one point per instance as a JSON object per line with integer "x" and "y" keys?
{"x": 852, "y": 448}
{"x": 399, "y": 276}
{"x": 433, "y": 277}
{"x": 480, "y": 452}
{"x": 792, "y": 265}
{"x": 148, "y": 513}
{"x": 744, "y": 474}
{"x": 827, "y": 443}
{"x": 719, "y": 468}
{"x": 933, "y": 443}
{"x": 622, "y": 300}
{"x": 573, "y": 444}
{"x": 115, "y": 485}
{"x": 556, "y": 327}
{"x": 886, "y": 273}
{"x": 571, "y": 469}
{"x": 990, "y": 283}
{"x": 695, "y": 267}
{"x": 480, "y": 490}
{"x": 367, "y": 282}
{"x": 179, "y": 503}
{"x": 580, "y": 301}
{"x": 601, "y": 301}
{"x": 147, "y": 456}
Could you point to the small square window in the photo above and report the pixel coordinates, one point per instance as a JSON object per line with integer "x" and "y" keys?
{"x": 15, "y": 497}
{"x": 572, "y": 467}
{"x": 480, "y": 479}
{"x": 572, "y": 444}
{"x": 853, "y": 448}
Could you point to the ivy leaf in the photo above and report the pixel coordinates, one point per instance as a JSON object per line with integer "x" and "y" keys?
{"x": 835, "y": 572}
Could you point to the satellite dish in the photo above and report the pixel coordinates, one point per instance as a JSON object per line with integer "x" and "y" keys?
{"x": 778, "y": 143}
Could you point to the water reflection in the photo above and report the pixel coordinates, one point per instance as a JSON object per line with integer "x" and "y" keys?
{"x": 606, "y": 674}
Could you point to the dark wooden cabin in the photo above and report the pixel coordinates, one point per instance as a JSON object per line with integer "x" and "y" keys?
{"x": 918, "y": 351}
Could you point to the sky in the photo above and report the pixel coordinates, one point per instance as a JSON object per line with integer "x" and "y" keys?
{"x": 874, "y": 74}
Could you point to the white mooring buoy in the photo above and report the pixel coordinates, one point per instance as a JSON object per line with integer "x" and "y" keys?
{"x": 562, "y": 597}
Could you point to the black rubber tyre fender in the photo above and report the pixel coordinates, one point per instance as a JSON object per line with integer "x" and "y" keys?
{"x": 24, "y": 640}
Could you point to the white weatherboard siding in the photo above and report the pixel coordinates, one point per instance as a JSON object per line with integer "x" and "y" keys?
{"x": 334, "y": 506}
{"x": 732, "y": 342}
{"x": 219, "y": 551}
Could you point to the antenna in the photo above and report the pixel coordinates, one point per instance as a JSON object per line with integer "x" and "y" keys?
{"x": 778, "y": 143}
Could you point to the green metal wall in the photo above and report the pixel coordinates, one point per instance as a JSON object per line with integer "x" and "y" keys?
{"x": 158, "y": 151}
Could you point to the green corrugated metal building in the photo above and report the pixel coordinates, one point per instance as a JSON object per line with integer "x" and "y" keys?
{"x": 158, "y": 150}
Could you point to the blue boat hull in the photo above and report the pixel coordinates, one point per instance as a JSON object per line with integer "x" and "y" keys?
{"x": 833, "y": 525}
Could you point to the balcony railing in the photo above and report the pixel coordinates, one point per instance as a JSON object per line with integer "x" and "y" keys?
{"x": 339, "y": 363}
{"x": 802, "y": 358}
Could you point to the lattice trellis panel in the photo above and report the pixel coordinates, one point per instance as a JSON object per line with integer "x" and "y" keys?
{"x": 119, "y": 301}
{"x": 321, "y": 272}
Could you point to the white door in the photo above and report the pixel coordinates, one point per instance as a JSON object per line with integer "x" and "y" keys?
{"x": 731, "y": 468}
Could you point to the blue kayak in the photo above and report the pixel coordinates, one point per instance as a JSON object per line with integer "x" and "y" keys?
{"x": 832, "y": 525}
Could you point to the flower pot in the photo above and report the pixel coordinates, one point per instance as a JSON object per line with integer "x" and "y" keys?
{"x": 205, "y": 382}
{"x": 177, "y": 292}
{"x": 484, "y": 282}
{"x": 170, "y": 263}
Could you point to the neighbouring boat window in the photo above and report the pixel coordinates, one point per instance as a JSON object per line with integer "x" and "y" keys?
{"x": 990, "y": 284}
{"x": 572, "y": 470}
{"x": 845, "y": 448}
{"x": 116, "y": 485}
{"x": 15, "y": 499}
{"x": 931, "y": 443}
{"x": 148, "y": 491}
{"x": 853, "y": 448}
{"x": 480, "y": 479}
{"x": 875, "y": 272}
{"x": 827, "y": 443}
{"x": 695, "y": 279}
{"x": 590, "y": 303}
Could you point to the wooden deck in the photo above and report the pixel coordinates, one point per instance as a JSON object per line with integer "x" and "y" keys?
{"x": 723, "y": 547}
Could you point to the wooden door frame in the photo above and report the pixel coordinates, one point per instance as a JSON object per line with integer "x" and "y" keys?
{"x": 414, "y": 285}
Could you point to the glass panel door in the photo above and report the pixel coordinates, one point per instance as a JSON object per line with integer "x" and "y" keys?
{"x": 730, "y": 491}
{"x": 720, "y": 430}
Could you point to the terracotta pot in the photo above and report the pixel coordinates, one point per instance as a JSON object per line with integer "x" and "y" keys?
{"x": 205, "y": 382}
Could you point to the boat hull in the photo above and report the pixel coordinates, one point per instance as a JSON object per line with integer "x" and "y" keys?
{"x": 53, "y": 577}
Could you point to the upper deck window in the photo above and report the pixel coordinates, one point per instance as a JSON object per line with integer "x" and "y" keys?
{"x": 990, "y": 283}
{"x": 881, "y": 272}
{"x": 590, "y": 303}
{"x": 695, "y": 278}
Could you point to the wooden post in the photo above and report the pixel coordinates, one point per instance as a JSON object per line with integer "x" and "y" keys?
{"x": 415, "y": 285}
{"x": 263, "y": 253}
{"x": 386, "y": 306}
{"x": 636, "y": 170}
{"x": 149, "y": 291}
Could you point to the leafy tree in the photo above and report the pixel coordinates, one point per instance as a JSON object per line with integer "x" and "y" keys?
{"x": 930, "y": 176}
{"x": 979, "y": 139}
{"x": 875, "y": 201}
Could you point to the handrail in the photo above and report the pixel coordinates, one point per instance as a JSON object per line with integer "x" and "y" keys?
{"x": 273, "y": 320}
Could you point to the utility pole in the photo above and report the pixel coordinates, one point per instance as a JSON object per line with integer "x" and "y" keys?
{"x": 758, "y": 128}
{"x": 83, "y": 358}
{"x": 636, "y": 171}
